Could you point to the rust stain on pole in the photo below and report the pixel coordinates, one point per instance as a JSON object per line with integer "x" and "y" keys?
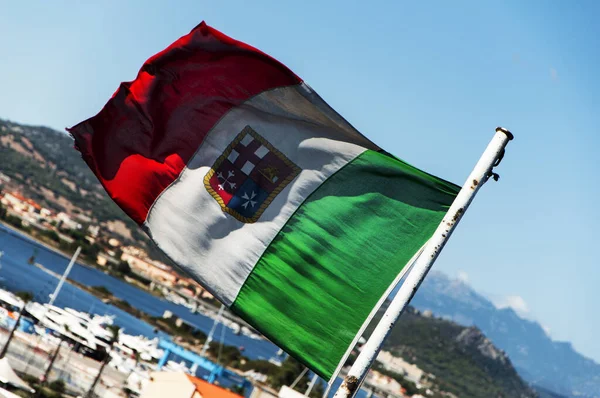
{"x": 350, "y": 384}
{"x": 459, "y": 212}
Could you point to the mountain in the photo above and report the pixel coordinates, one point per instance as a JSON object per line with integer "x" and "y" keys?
{"x": 462, "y": 359}
{"x": 43, "y": 160}
{"x": 554, "y": 366}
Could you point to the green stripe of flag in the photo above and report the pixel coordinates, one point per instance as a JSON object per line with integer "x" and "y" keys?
{"x": 328, "y": 267}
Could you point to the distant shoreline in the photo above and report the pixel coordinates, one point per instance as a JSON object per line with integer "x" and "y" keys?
{"x": 81, "y": 286}
{"x": 106, "y": 297}
{"x": 25, "y": 236}
{"x": 36, "y": 241}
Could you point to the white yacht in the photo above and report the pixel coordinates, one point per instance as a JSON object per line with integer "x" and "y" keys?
{"x": 90, "y": 333}
{"x": 86, "y": 333}
{"x": 9, "y": 307}
{"x": 146, "y": 348}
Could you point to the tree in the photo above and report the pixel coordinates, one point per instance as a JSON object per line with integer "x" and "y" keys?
{"x": 287, "y": 373}
{"x": 238, "y": 389}
{"x": 128, "y": 392}
{"x": 26, "y": 297}
{"x": 52, "y": 235}
{"x": 136, "y": 358}
{"x": 44, "y": 378}
{"x": 58, "y": 386}
{"x": 114, "y": 330}
{"x": 123, "y": 268}
{"x": 226, "y": 355}
{"x": 89, "y": 251}
{"x": 102, "y": 290}
{"x": 318, "y": 390}
{"x": 14, "y": 221}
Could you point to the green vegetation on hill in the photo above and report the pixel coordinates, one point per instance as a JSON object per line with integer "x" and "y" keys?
{"x": 50, "y": 171}
{"x": 463, "y": 361}
{"x": 283, "y": 375}
{"x": 36, "y": 174}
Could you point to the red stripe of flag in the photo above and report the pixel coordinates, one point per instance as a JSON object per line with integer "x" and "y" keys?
{"x": 147, "y": 132}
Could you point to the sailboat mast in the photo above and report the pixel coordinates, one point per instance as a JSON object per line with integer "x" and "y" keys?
{"x": 313, "y": 381}
{"x": 64, "y": 276}
{"x": 212, "y": 331}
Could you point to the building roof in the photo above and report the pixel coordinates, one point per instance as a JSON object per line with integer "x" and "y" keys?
{"x": 208, "y": 390}
{"x": 17, "y": 196}
{"x": 31, "y": 202}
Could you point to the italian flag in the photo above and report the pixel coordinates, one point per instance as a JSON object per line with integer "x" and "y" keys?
{"x": 251, "y": 184}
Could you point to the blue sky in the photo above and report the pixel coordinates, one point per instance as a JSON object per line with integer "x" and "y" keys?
{"x": 428, "y": 82}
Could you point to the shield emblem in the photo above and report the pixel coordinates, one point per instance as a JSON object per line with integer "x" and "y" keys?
{"x": 247, "y": 177}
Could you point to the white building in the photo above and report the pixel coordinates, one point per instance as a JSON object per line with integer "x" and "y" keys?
{"x": 94, "y": 230}
{"x": 45, "y": 213}
{"x": 67, "y": 222}
{"x": 26, "y": 208}
{"x": 4, "y": 178}
{"x": 384, "y": 383}
{"x": 398, "y": 365}
{"x": 14, "y": 200}
{"x": 140, "y": 263}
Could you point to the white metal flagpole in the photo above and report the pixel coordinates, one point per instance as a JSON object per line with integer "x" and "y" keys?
{"x": 480, "y": 174}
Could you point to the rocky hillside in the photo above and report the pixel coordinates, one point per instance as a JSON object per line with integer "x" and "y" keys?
{"x": 44, "y": 161}
{"x": 43, "y": 164}
{"x": 553, "y": 366}
{"x": 463, "y": 360}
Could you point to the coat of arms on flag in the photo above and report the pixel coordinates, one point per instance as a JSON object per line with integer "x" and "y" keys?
{"x": 247, "y": 177}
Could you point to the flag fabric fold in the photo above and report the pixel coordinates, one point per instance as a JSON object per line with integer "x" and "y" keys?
{"x": 250, "y": 183}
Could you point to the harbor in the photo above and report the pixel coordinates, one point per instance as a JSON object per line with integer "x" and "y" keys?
{"x": 30, "y": 352}
{"x": 83, "y": 321}
{"x": 28, "y": 356}
{"x": 18, "y": 249}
